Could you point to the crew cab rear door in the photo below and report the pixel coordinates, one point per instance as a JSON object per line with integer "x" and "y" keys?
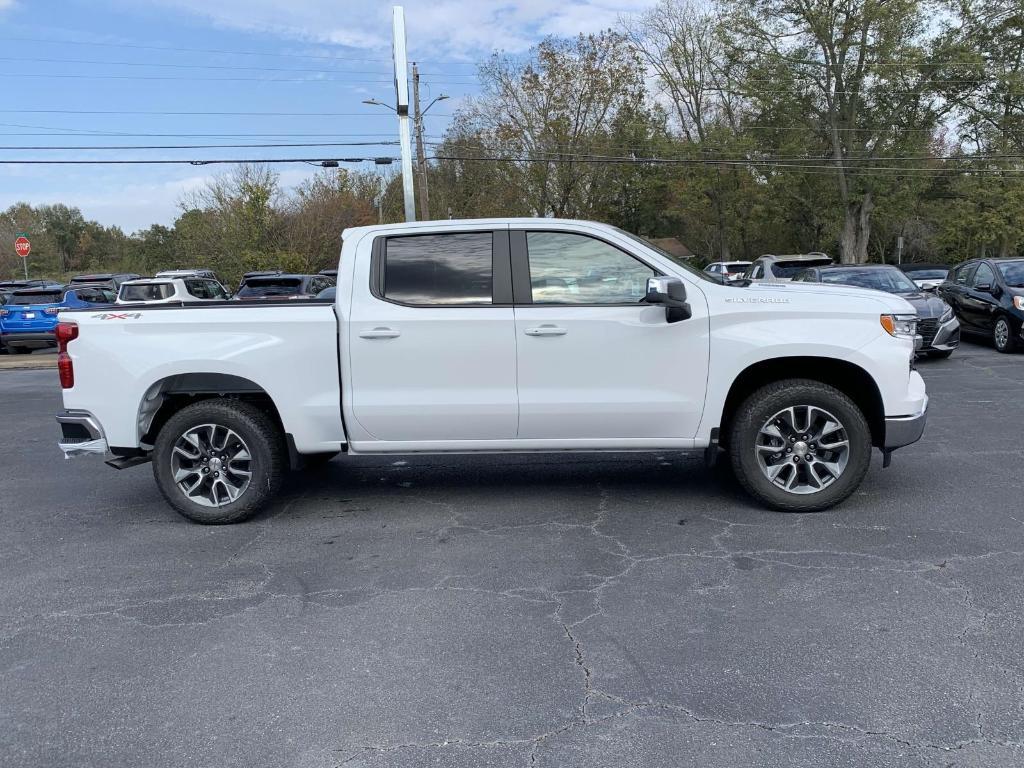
{"x": 432, "y": 340}
{"x": 593, "y": 362}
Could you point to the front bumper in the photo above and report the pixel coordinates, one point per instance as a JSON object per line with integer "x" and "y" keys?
{"x": 946, "y": 339}
{"x": 30, "y": 339}
{"x": 81, "y": 433}
{"x": 904, "y": 430}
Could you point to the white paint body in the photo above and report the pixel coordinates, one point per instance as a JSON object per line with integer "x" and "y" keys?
{"x": 379, "y": 377}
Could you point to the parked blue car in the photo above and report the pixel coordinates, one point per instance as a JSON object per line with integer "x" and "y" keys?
{"x": 29, "y": 318}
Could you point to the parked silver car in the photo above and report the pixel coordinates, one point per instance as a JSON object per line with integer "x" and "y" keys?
{"x": 773, "y": 267}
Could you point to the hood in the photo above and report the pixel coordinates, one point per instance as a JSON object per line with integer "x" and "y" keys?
{"x": 928, "y": 305}
{"x": 888, "y": 302}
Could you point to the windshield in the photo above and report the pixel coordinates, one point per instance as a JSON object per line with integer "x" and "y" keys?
{"x": 888, "y": 280}
{"x": 88, "y": 279}
{"x": 675, "y": 259}
{"x": 148, "y": 292}
{"x": 276, "y": 286}
{"x": 927, "y": 274}
{"x": 1013, "y": 273}
{"x": 36, "y": 298}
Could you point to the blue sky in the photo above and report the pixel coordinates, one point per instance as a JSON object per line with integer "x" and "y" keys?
{"x": 113, "y": 72}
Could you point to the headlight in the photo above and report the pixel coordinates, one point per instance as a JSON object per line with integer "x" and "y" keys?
{"x": 1018, "y": 302}
{"x": 900, "y": 326}
{"x": 947, "y": 314}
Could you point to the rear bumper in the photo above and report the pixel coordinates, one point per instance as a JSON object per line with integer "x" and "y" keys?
{"x": 81, "y": 433}
{"x": 30, "y": 339}
{"x": 904, "y": 430}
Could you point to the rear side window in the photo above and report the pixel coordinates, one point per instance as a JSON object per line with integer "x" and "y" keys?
{"x": 37, "y": 298}
{"x": 965, "y": 273}
{"x": 149, "y": 292}
{"x": 430, "y": 270}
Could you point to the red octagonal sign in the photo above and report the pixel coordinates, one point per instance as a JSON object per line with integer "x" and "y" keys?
{"x": 22, "y": 246}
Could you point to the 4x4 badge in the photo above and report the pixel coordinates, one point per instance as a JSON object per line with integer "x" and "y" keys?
{"x": 118, "y": 315}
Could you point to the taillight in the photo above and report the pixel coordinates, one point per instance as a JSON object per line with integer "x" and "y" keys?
{"x": 65, "y": 368}
{"x": 4, "y": 312}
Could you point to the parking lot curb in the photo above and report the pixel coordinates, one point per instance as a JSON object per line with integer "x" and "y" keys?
{"x": 28, "y": 363}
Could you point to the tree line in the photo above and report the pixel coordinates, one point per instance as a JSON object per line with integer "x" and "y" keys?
{"x": 740, "y": 127}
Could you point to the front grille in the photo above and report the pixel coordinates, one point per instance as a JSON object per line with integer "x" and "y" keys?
{"x": 927, "y": 330}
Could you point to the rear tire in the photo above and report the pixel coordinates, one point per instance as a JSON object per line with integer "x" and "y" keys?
{"x": 256, "y": 478}
{"x": 837, "y": 472}
{"x": 1003, "y": 336}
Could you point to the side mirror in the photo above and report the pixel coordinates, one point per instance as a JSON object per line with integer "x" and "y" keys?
{"x": 670, "y": 293}
{"x": 984, "y": 287}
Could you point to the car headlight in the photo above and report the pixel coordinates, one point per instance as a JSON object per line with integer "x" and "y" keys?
{"x": 947, "y": 314}
{"x": 900, "y": 326}
{"x": 1018, "y": 302}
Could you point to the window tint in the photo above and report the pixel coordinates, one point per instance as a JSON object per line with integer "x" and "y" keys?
{"x": 567, "y": 268}
{"x": 37, "y": 298}
{"x": 146, "y": 292}
{"x": 1013, "y": 273}
{"x": 984, "y": 275}
{"x": 439, "y": 269}
{"x": 270, "y": 286}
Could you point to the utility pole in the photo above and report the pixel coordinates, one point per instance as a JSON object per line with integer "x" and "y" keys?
{"x": 421, "y": 159}
{"x": 402, "y": 108}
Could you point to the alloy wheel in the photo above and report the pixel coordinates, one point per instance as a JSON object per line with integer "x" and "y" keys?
{"x": 1002, "y": 333}
{"x": 802, "y": 449}
{"x": 211, "y": 465}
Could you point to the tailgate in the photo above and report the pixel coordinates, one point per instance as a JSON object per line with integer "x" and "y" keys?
{"x": 28, "y": 317}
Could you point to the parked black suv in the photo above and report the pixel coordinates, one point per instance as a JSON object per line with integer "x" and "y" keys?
{"x": 283, "y": 286}
{"x": 988, "y": 298}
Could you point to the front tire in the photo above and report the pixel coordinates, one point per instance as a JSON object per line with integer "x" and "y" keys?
{"x": 799, "y": 445}
{"x": 1003, "y": 337}
{"x": 219, "y": 461}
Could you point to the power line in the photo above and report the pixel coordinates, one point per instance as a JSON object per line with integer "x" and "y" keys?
{"x": 196, "y": 114}
{"x": 313, "y": 80}
{"x": 190, "y": 50}
{"x": 219, "y": 161}
{"x": 162, "y": 65}
{"x": 214, "y": 146}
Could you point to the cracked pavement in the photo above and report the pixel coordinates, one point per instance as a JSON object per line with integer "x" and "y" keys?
{"x": 570, "y": 610}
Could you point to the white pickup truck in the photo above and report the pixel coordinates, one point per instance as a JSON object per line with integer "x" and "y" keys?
{"x": 497, "y": 335}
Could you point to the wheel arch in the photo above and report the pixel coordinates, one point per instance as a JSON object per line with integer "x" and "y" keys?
{"x": 168, "y": 395}
{"x": 849, "y": 378}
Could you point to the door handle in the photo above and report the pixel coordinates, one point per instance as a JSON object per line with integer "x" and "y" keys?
{"x": 545, "y": 330}
{"x": 379, "y": 333}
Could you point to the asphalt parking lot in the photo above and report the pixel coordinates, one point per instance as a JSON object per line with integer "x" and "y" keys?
{"x": 550, "y": 611}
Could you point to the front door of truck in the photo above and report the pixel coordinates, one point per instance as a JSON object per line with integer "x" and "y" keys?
{"x": 595, "y": 363}
{"x": 432, "y": 341}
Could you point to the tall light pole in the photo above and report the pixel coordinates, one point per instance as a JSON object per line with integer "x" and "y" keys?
{"x": 402, "y": 108}
{"x": 421, "y": 157}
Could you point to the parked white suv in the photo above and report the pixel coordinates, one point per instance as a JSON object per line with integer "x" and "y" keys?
{"x": 784, "y": 268}
{"x": 498, "y": 335}
{"x": 169, "y": 290}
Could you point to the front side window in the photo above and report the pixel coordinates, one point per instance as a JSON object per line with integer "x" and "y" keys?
{"x": 984, "y": 275}
{"x": 446, "y": 269}
{"x": 567, "y": 268}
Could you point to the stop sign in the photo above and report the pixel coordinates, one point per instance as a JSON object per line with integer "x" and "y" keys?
{"x": 22, "y": 246}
